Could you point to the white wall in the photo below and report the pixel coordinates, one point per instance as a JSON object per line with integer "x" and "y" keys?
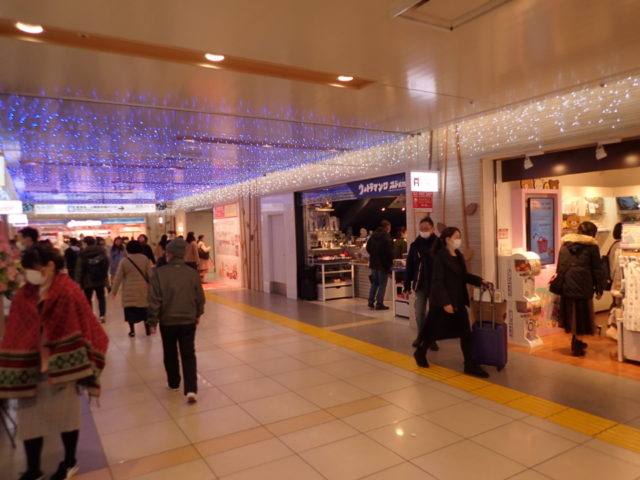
{"x": 279, "y": 205}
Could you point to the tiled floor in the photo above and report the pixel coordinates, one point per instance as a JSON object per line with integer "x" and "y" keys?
{"x": 275, "y": 403}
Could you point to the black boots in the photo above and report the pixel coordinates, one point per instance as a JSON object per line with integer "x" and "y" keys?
{"x": 420, "y": 356}
{"x": 578, "y": 347}
{"x": 475, "y": 370}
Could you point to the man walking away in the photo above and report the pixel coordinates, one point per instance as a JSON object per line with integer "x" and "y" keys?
{"x": 27, "y": 238}
{"x": 380, "y": 248}
{"x": 92, "y": 273}
{"x": 176, "y": 301}
{"x": 417, "y": 278}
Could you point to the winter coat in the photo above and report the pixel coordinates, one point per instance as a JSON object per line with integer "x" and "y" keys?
{"x": 84, "y": 267}
{"x": 115, "y": 257}
{"x": 70, "y": 260}
{"x": 175, "y": 295}
{"x": 419, "y": 264}
{"x": 135, "y": 287}
{"x": 380, "y": 249}
{"x": 191, "y": 255}
{"x": 580, "y": 265}
{"x": 449, "y": 280}
{"x": 204, "y": 263}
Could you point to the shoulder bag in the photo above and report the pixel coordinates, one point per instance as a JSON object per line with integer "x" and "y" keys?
{"x": 146, "y": 279}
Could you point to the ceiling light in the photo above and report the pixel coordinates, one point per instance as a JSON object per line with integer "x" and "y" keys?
{"x": 29, "y": 28}
{"x": 266, "y": 145}
{"x": 345, "y": 78}
{"x": 382, "y": 209}
{"x": 212, "y": 57}
{"x": 527, "y": 162}
{"x": 600, "y": 152}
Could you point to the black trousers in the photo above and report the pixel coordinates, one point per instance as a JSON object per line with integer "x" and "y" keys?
{"x": 182, "y": 336}
{"x": 102, "y": 303}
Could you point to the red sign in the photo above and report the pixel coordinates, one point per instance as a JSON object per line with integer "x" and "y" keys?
{"x": 225, "y": 211}
{"x": 422, "y": 200}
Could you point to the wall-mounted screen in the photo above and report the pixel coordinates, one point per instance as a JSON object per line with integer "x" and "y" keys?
{"x": 541, "y": 231}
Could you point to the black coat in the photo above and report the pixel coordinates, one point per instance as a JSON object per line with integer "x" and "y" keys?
{"x": 419, "y": 264}
{"x": 448, "y": 287}
{"x": 449, "y": 280}
{"x": 83, "y": 275}
{"x": 380, "y": 249}
{"x": 580, "y": 265}
{"x": 147, "y": 252}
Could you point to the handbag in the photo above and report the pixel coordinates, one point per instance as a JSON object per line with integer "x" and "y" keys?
{"x": 556, "y": 282}
{"x": 202, "y": 254}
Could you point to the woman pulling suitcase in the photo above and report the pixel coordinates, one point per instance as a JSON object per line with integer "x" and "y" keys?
{"x": 449, "y": 299}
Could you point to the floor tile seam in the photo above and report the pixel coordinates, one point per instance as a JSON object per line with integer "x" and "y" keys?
{"x": 259, "y": 313}
{"x": 114, "y": 477}
{"x": 423, "y": 416}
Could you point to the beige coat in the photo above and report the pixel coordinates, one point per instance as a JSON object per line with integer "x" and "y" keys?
{"x": 135, "y": 289}
{"x": 204, "y": 263}
{"x": 191, "y": 255}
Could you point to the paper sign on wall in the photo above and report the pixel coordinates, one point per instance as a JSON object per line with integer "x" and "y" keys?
{"x": 422, "y": 200}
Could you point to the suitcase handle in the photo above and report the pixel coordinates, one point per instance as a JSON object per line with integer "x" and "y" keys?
{"x": 491, "y": 290}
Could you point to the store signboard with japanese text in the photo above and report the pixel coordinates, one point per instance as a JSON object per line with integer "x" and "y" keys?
{"x": 541, "y": 228}
{"x": 422, "y": 200}
{"x": 378, "y": 187}
{"x": 226, "y": 234}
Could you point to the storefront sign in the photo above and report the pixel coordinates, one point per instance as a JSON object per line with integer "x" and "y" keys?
{"x": 18, "y": 220}
{"x": 226, "y": 211}
{"x": 424, "y": 181}
{"x": 503, "y": 234}
{"x": 422, "y": 200}
{"x": 61, "y": 209}
{"x": 8, "y": 207}
{"x": 379, "y": 187}
{"x": 123, "y": 221}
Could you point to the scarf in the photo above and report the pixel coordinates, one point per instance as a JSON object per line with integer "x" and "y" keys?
{"x": 60, "y": 329}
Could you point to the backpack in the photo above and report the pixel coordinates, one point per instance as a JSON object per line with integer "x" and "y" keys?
{"x": 97, "y": 268}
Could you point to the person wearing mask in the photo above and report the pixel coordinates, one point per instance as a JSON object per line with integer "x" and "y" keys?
{"x": 133, "y": 276}
{"x": 580, "y": 275}
{"x": 52, "y": 345}
{"x": 204, "y": 258}
{"x": 417, "y": 277}
{"x": 92, "y": 272}
{"x": 71, "y": 257}
{"x": 380, "y": 249}
{"x": 116, "y": 254}
{"x": 146, "y": 248}
{"x": 449, "y": 299}
{"x": 27, "y": 238}
{"x": 176, "y": 302}
{"x": 191, "y": 255}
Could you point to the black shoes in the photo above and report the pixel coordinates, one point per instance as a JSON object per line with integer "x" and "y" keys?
{"x": 475, "y": 370}
{"x": 382, "y": 307}
{"x": 371, "y": 306}
{"x": 578, "y": 348}
{"x": 132, "y": 334}
{"x": 65, "y": 471}
{"x": 434, "y": 346}
{"x": 420, "y": 356}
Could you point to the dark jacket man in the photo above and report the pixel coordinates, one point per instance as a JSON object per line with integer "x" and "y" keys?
{"x": 419, "y": 264}
{"x": 380, "y": 249}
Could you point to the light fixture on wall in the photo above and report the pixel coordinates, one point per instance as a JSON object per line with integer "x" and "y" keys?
{"x": 527, "y": 162}
{"x": 600, "y": 152}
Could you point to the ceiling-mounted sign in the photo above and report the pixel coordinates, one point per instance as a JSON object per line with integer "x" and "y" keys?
{"x": 58, "y": 209}
{"x": 379, "y": 187}
{"x": 427, "y": 181}
{"x": 10, "y": 207}
{"x": 123, "y": 221}
{"x": 84, "y": 223}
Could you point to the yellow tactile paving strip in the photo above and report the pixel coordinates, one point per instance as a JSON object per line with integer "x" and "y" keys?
{"x": 606, "y": 430}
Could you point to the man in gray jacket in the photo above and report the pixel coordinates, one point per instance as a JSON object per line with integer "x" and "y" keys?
{"x": 176, "y": 301}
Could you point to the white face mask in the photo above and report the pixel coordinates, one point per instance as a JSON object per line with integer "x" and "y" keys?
{"x": 34, "y": 277}
{"x": 456, "y": 242}
{"x": 425, "y": 234}
{"x": 20, "y": 246}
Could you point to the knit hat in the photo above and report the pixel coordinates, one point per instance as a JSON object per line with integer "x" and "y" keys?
{"x": 177, "y": 247}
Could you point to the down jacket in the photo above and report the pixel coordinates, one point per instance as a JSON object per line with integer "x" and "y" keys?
{"x": 580, "y": 264}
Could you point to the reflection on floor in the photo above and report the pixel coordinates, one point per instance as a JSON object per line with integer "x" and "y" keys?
{"x": 277, "y": 403}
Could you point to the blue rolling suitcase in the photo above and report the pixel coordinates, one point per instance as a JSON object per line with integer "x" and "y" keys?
{"x": 489, "y": 337}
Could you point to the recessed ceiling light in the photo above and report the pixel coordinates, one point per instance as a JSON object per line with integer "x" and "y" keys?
{"x": 29, "y": 28}
{"x": 345, "y": 78}
{"x": 212, "y": 57}
{"x": 266, "y": 145}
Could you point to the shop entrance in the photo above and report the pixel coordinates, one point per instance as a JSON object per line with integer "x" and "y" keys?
{"x": 604, "y": 191}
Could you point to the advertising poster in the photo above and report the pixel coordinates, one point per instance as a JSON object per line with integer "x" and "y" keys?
{"x": 226, "y": 234}
{"x": 541, "y": 229}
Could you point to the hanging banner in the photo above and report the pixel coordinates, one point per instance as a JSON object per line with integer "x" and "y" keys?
{"x": 61, "y": 209}
{"x": 390, "y": 185}
{"x": 422, "y": 200}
